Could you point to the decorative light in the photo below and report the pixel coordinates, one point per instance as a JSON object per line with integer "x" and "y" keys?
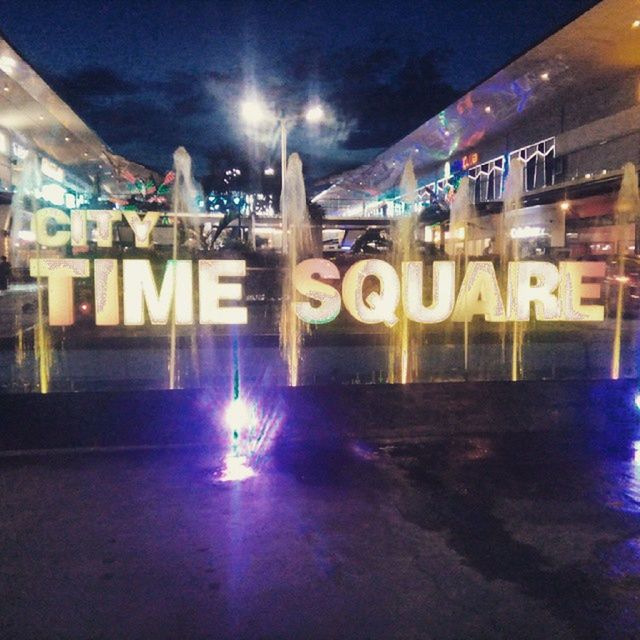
{"x": 544, "y": 76}
{"x": 269, "y": 171}
{"x": 565, "y": 205}
{"x": 6, "y": 88}
{"x": 253, "y": 110}
{"x": 487, "y": 109}
{"x": 447, "y": 133}
{"x": 315, "y": 114}
{"x": 238, "y": 416}
{"x": 635, "y": 24}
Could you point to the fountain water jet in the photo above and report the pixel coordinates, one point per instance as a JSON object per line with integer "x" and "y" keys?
{"x": 627, "y": 212}
{"x": 25, "y": 203}
{"x": 297, "y": 245}
{"x": 184, "y": 201}
{"x": 462, "y": 217}
{"x": 403, "y": 346}
{"x": 512, "y": 202}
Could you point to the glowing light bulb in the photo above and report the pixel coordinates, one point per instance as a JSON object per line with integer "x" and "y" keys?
{"x": 635, "y": 24}
{"x": 238, "y": 415}
{"x": 315, "y": 114}
{"x": 544, "y": 76}
{"x": 565, "y": 205}
{"x": 253, "y": 111}
{"x": 269, "y": 171}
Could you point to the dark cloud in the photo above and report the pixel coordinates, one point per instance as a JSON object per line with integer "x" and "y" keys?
{"x": 375, "y": 97}
{"x": 94, "y": 82}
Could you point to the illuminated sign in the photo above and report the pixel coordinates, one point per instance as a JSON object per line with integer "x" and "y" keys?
{"x": 470, "y": 160}
{"x": 522, "y": 233}
{"x": 372, "y": 291}
{"x": 54, "y": 193}
{"x": 52, "y": 170}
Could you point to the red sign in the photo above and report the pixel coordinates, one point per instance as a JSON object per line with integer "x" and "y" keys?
{"x": 470, "y": 160}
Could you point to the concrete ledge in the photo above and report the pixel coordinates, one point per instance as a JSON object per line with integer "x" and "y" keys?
{"x": 183, "y": 417}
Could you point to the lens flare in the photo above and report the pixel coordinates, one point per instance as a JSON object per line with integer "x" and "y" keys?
{"x": 239, "y": 416}
{"x": 236, "y": 469}
{"x": 636, "y": 400}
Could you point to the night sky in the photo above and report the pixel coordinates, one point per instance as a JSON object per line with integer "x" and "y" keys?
{"x": 150, "y": 75}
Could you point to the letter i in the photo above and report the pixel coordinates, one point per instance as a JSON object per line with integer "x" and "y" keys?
{"x": 106, "y": 289}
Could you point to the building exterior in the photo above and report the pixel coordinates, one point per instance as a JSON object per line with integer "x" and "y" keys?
{"x": 569, "y": 109}
{"x": 74, "y": 164}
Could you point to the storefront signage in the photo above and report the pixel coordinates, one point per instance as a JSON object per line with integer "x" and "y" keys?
{"x": 470, "y": 160}
{"x": 372, "y": 291}
{"x": 523, "y": 233}
{"x": 52, "y": 170}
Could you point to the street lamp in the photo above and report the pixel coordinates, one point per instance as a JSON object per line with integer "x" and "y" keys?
{"x": 254, "y": 111}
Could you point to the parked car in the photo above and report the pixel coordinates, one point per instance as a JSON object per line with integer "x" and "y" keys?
{"x": 372, "y": 241}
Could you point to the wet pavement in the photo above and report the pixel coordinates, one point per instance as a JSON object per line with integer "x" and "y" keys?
{"x": 491, "y": 536}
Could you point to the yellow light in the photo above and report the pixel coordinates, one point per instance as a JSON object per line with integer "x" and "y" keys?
{"x": 142, "y": 227}
{"x": 635, "y": 24}
{"x": 544, "y": 76}
{"x": 565, "y": 205}
{"x": 60, "y": 273}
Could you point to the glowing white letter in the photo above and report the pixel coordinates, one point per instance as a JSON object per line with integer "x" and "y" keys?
{"x": 104, "y": 220}
{"x": 521, "y": 291}
{"x": 444, "y": 291}
{"x": 212, "y": 291}
{"x": 572, "y": 290}
{"x": 479, "y": 294}
{"x": 106, "y": 290}
{"x": 326, "y": 295}
{"x": 140, "y": 288}
{"x": 376, "y": 307}
{"x": 60, "y": 273}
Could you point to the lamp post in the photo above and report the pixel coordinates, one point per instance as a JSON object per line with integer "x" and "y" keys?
{"x": 254, "y": 111}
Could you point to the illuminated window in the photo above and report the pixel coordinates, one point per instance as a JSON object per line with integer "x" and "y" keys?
{"x": 538, "y": 161}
